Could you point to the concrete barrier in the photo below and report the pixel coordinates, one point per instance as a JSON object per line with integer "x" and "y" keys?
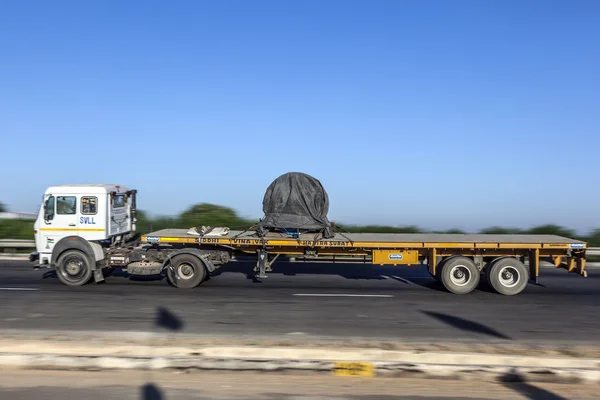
{"x": 48, "y": 354}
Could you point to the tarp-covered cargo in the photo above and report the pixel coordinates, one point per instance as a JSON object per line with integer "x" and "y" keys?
{"x": 296, "y": 202}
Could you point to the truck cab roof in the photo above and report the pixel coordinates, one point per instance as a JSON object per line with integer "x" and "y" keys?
{"x": 87, "y": 188}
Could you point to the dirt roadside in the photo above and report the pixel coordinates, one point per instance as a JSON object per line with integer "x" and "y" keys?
{"x": 153, "y": 385}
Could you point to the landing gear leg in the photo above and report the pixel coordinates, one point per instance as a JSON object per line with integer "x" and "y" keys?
{"x": 263, "y": 264}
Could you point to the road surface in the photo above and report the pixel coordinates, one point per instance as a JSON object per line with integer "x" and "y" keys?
{"x": 21, "y": 385}
{"x": 307, "y": 300}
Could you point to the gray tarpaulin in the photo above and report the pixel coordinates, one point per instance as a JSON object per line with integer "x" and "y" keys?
{"x": 296, "y": 202}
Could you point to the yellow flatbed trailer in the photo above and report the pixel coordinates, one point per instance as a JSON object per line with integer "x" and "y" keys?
{"x": 94, "y": 230}
{"x": 460, "y": 259}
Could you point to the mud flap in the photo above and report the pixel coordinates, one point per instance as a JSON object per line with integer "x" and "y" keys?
{"x": 98, "y": 275}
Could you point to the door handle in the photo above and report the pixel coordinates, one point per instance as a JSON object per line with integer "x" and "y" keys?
{"x": 72, "y": 225}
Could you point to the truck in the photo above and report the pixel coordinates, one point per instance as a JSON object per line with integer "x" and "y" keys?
{"x": 84, "y": 231}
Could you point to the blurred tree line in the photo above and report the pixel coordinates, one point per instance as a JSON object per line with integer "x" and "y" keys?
{"x": 215, "y": 215}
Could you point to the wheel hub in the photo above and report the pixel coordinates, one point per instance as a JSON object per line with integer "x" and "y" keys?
{"x": 460, "y": 275}
{"x": 185, "y": 271}
{"x": 509, "y": 276}
{"x": 73, "y": 268}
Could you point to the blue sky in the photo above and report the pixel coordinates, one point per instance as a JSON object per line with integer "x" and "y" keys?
{"x": 437, "y": 113}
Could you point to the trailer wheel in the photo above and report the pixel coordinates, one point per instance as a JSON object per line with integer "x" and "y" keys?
{"x": 507, "y": 276}
{"x": 73, "y": 268}
{"x": 486, "y": 269}
{"x": 186, "y": 271}
{"x": 459, "y": 275}
{"x": 440, "y": 266}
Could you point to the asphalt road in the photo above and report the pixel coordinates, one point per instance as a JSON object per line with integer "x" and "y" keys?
{"x": 72, "y": 385}
{"x": 302, "y": 301}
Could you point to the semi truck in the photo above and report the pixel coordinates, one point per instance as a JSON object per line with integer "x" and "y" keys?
{"x": 84, "y": 231}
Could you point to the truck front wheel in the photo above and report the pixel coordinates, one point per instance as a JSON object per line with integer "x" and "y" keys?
{"x": 73, "y": 268}
{"x": 186, "y": 271}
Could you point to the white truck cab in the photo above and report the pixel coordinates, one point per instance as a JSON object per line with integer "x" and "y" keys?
{"x": 85, "y": 231}
{"x": 90, "y": 213}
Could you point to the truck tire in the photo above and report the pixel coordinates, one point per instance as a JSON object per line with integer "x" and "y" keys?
{"x": 459, "y": 275}
{"x": 507, "y": 276}
{"x": 73, "y": 268}
{"x": 486, "y": 269}
{"x": 186, "y": 271}
{"x": 440, "y": 267}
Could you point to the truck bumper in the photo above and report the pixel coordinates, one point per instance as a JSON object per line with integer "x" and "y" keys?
{"x": 35, "y": 256}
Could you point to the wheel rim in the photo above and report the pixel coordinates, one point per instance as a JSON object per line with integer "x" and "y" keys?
{"x": 460, "y": 275}
{"x": 509, "y": 276}
{"x": 74, "y": 269}
{"x": 185, "y": 271}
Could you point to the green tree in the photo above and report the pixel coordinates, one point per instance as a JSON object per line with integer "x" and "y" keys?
{"x": 551, "y": 229}
{"x": 16, "y": 229}
{"x": 143, "y": 221}
{"x": 454, "y": 231}
{"x": 146, "y": 224}
{"x": 594, "y": 238}
{"x": 3, "y": 208}
{"x": 212, "y": 215}
{"x": 378, "y": 229}
{"x": 498, "y": 230}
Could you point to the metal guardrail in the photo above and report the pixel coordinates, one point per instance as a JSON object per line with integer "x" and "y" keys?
{"x": 17, "y": 244}
{"x": 12, "y": 244}
{"x": 18, "y": 215}
{"x": 14, "y": 247}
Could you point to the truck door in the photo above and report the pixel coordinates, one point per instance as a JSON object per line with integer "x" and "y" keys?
{"x": 60, "y": 220}
{"x": 92, "y": 219}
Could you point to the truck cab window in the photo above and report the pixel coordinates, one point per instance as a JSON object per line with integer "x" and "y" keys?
{"x": 118, "y": 201}
{"x": 49, "y": 212}
{"x": 89, "y": 205}
{"x": 66, "y": 205}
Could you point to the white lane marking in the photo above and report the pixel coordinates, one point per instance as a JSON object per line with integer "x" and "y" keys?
{"x": 340, "y": 295}
{"x": 19, "y": 289}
